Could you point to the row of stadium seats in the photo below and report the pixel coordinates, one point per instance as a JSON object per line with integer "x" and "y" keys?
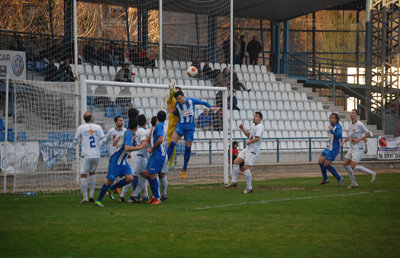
{"x": 247, "y": 73}
{"x": 21, "y": 136}
{"x": 284, "y": 146}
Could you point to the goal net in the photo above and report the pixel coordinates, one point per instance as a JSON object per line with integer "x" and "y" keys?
{"x": 47, "y": 115}
{"x": 45, "y": 120}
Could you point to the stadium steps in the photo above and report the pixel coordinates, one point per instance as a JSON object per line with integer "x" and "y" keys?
{"x": 327, "y": 104}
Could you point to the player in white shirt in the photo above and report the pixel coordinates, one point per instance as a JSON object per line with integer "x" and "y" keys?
{"x": 91, "y": 137}
{"x": 250, "y": 154}
{"x": 116, "y": 132}
{"x": 139, "y": 158}
{"x": 357, "y": 133}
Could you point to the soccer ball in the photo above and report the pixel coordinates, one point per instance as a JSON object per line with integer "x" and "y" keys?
{"x": 192, "y": 71}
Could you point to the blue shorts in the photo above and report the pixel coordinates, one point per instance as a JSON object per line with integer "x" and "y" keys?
{"x": 115, "y": 171}
{"x": 330, "y": 154}
{"x": 155, "y": 164}
{"x": 187, "y": 130}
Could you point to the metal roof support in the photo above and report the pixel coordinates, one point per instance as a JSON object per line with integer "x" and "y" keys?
{"x": 285, "y": 46}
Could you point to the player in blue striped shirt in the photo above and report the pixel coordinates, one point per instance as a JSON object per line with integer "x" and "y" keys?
{"x": 118, "y": 164}
{"x": 332, "y": 149}
{"x": 186, "y": 110}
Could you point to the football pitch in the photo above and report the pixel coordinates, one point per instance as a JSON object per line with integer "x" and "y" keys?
{"x": 283, "y": 217}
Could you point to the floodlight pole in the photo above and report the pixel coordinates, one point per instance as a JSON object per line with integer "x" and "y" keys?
{"x": 226, "y": 175}
{"x": 6, "y": 137}
{"x": 160, "y": 62}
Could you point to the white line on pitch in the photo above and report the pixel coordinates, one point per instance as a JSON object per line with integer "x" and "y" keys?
{"x": 284, "y": 199}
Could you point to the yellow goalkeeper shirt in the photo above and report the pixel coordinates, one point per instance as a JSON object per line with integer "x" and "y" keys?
{"x": 173, "y": 119}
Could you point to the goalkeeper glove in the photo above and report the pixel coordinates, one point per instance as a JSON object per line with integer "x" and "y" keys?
{"x": 171, "y": 85}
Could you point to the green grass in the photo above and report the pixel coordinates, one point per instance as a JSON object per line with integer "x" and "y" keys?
{"x": 279, "y": 219}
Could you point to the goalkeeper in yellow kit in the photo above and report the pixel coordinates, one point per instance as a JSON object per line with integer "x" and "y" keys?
{"x": 173, "y": 119}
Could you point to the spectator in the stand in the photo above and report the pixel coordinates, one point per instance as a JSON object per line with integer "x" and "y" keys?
{"x": 242, "y": 48}
{"x": 66, "y": 72}
{"x": 226, "y": 49}
{"x": 234, "y": 102}
{"x": 102, "y": 55}
{"x": 236, "y": 49}
{"x": 210, "y": 73}
{"x": 89, "y": 53}
{"x": 218, "y": 120}
{"x": 235, "y": 150}
{"x": 145, "y": 60}
{"x": 124, "y": 74}
{"x": 218, "y": 100}
{"x": 254, "y": 48}
{"x": 237, "y": 85}
{"x": 112, "y": 54}
{"x": 222, "y": 79}
{"x": 205, "y": 121}
{"x": 52, "y": 72}
{"x": 17, "y": 44}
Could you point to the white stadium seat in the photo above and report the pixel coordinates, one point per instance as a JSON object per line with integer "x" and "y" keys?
{"x": 96, "y": 70}
{"x": 104, "y": 70}
{"x": 88, "y": 69}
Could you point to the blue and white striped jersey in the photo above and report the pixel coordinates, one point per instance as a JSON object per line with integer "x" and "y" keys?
{"x": 187, "y": 110}
{"x": 334, "y": 137}
{"x": 157, "y": 132}
{"x": 118, "y": 155}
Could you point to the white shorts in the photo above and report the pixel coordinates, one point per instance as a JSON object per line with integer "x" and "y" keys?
{"x": 164, "y": 169}
{"x": 354, "y": 154}
{"x": 248, "y": 156}
{"x": 89, "y": 165}
{"x": 138, "y": 164}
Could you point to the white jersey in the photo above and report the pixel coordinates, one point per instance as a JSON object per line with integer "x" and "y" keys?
{"x": 90, "y": 135}
{"x": 256, "y": 131}
{"x": 141, "y": 135}
{"x": 357, "y": 130}
{"x": 114, "y": 133}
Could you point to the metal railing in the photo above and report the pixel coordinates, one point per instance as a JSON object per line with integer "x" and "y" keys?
{"x": 317, "y": 73}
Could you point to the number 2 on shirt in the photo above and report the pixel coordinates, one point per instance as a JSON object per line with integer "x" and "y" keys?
{"x": 92, "y": 142}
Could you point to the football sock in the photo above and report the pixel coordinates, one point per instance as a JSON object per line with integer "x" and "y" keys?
{"x": 364, "y": 169}
{"x": 135, "y": 182}
{"x": 163, "y": 186}
{"x": 351, "y": 174}
{"x": 171, "y": 160}
{"x": 144, "y": 189}
{"x": 323, "y": 171}
{"x": 154, "y": 187}
{"x": 186, "y": 157}
{"x": 332, "y": 169}
{"x": 119, "y": 184}
{"x": 247, "y": 173}
{"x": 103, "y": 191}
{"x": 141, "y": 185}
{"x": 92, "y": 185}
{"x": 125, "y": 189}
{"x": 235, "y": 172}
{"x": 170, "y": 150}
{"x": 84, "y": 187}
